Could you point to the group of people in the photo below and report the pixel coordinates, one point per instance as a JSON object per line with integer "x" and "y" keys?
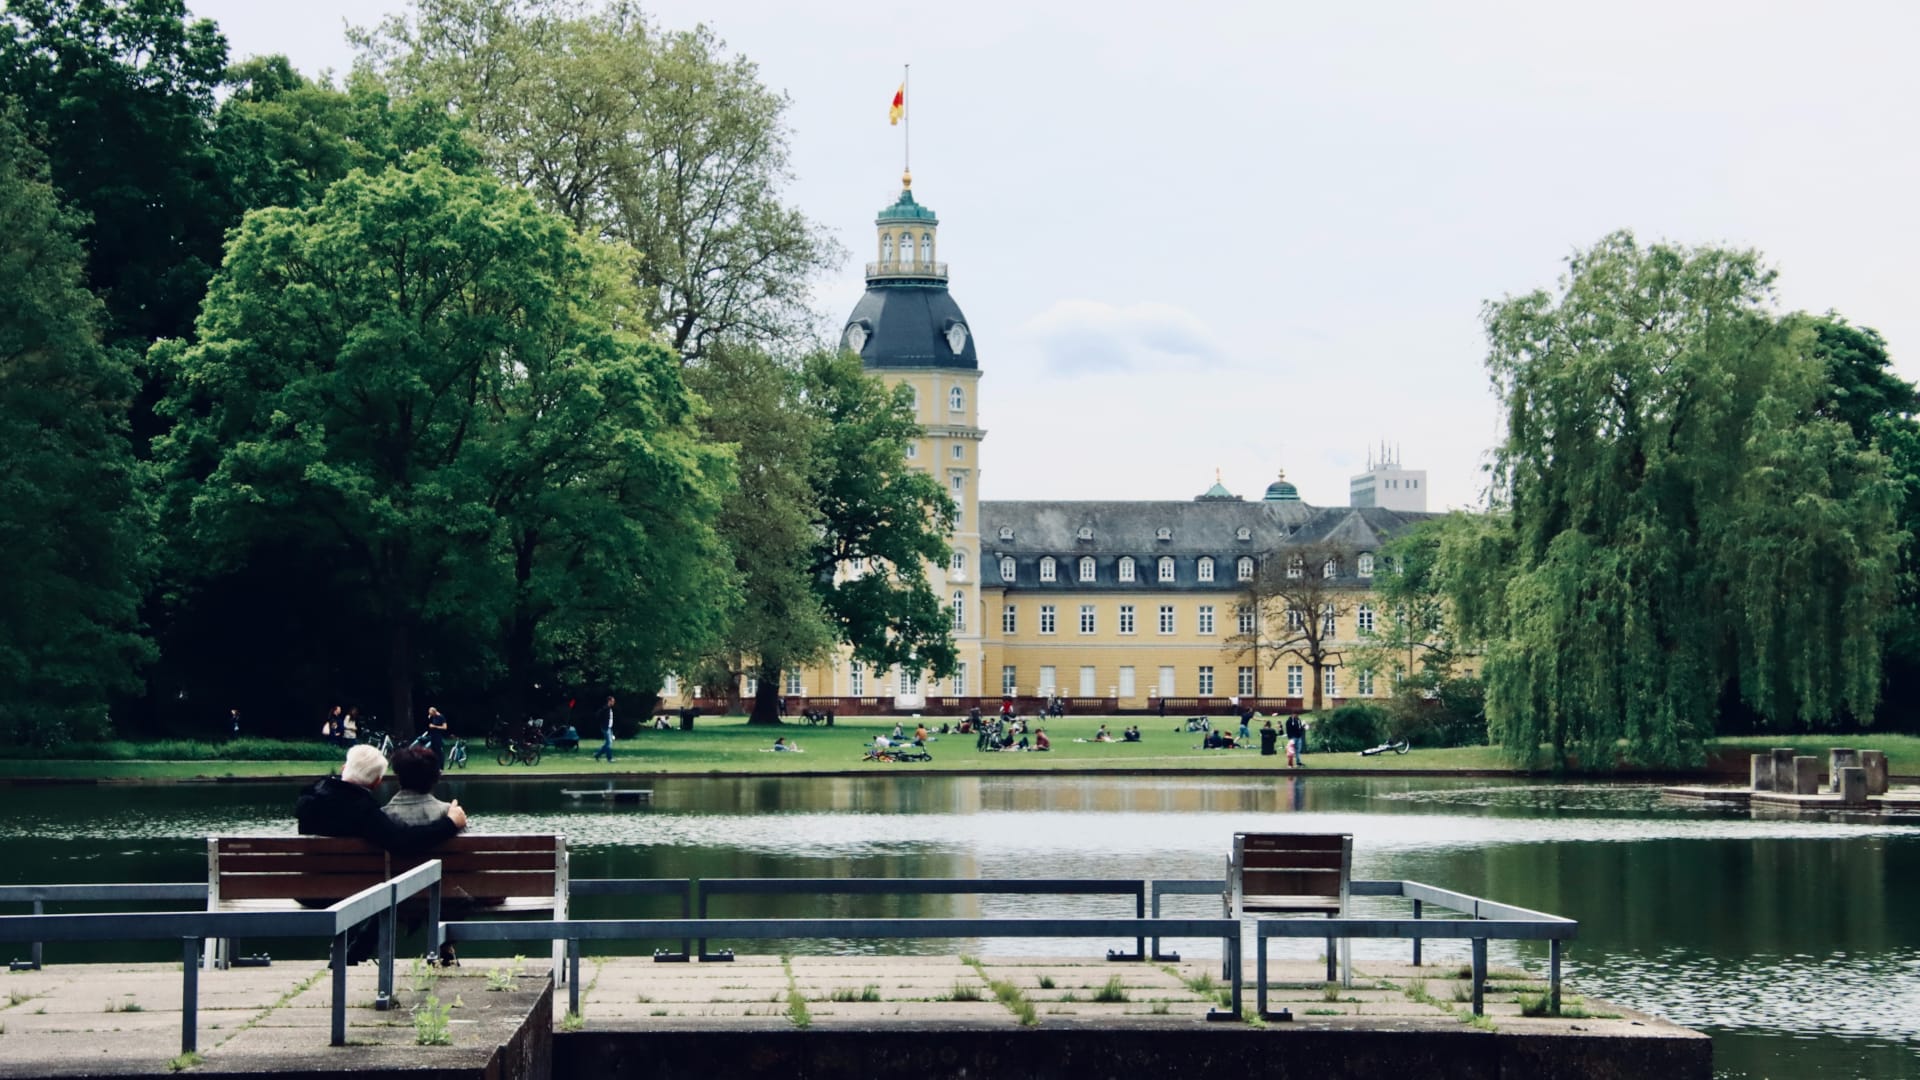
{"x": 1295, "y": 730}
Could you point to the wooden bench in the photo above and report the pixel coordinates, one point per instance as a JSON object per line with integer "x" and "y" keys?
{"x": 1289, "y": 873}
{"x": 489, "y": 873}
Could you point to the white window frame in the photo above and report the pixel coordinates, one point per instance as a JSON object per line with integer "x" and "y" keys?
{"x": 956, "y": 400}
{"x": 959, "y": 612}
{"x": 1126, "y": 568}
{"x": 794, "y": 688}
{"x": 1328, "y": 627}
{"x": 1245, "y": 685}
{"x": 1088, "y": 681}
{"x": 1166, "y": 568}
{"x": 1243, "y": 570}
{"x": 1010, "y": 620}
{"x": 1167, "y": 622}
{"x": 1296, "y": 567}
{"x": 913, "y": 451}
{"x": 1009, "y": 676}
{"x": 1244, "y": 619}
{"x": 959, "y": 452}
{"x": 1049, "y": 679}
{"x": 1296, "y": 680}
{"x": 1126, "y": 619}
{"x": 1329, "y": 682}
{"x": 1331, "y": 569}
{"x": 1363, "y": 683}
{"x": 1049, "y": 618}
{"x": 856, "y": 679}
{"x": 1126, "y": 689}
{"x": 1365, "y": 564}
{"x": 1204, "y": 681}
{"x": 1205, "y": 569}
{"x": 1007, "y": 568}
{"x": 1088, "y": 621}
{"x": 1087, "y": 568}
{"x": 959, "y": 563}
{"x": 1363, "y": 619}
{"x": 1048, "y": 569}
{"x": 960, "y": 679}
{"x": 1205, "y": 620}
{"x": 1294, "y": 621}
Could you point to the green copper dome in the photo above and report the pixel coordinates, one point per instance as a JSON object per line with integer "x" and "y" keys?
{"x": 905, "y": 209}
{"x": 1281, "y": 491}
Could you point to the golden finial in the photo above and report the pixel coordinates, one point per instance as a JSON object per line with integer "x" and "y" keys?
{"x": 1216, "y": 474}
{"x": 906, "y": 180}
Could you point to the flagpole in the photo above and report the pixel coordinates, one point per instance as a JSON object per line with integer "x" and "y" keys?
{"x": 906, "y": 116}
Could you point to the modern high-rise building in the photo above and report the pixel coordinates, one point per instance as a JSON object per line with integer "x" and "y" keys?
{"x": 1389, "y": 483}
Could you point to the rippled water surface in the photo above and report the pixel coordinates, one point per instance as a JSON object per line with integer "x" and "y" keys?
{"x": 1796, "y": 943}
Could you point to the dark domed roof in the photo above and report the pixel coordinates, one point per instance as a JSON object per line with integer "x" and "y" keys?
{"x": 1281, "y": 491}
{"x": 909, "y": 326}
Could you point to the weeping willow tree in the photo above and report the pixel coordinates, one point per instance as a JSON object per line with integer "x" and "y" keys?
{"x": 1675, "y": 523}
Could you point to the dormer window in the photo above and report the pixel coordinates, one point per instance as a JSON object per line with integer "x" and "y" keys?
{"x": 1006, "y": 568}
{"x": 1086, "y": 568}
{"x": 1365, "y": 568}
{"x": 1047, "y": 569}
{"x": 1126, "y": 568}
{"x": 1006, "y": 532}
{"x": 1163, "y": 533}
{"x": 1296, "y": 567}
{"x": 1166, "y": 568}
{"x": 1332, "y": 568}
{"x": 1244, "y": 568}
{"x": 1206, "y": 569}
{"x": 1086, "y": 532}
{"x": 1243, "y": 533}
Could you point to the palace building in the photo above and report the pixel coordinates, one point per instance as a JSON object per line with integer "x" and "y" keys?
{"x": 1115, "y": 606}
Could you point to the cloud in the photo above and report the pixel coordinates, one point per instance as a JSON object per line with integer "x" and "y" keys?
{"x": 1086, "y": 336}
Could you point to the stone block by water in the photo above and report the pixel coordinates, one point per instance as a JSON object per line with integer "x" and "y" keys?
{"x": 1806, "y": 775}
{"x": 1853, "y": 785}
{"x": 1838, "y": 759}
{"x": 1783, "y": 768}
{"x": 1875, "y": 762}
{"x": 1763, "y": 772}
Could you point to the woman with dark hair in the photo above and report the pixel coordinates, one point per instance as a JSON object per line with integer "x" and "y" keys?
{"x": 418, "y": 770}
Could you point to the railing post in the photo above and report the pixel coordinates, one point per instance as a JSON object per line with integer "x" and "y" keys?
{"x": 1260, "y": 971}
{"x": 39, "y": 908}
{"x": 1417, "y": 905}
{"x": 189, "y": 994}
{"x": 573, "y": 975}
{"x": 1479, "y": 975}
{"x": 1140, "y": 912}
{"x": 435, "y": 934}
{"x": 339, "y": 989}
{"x": 1233, "y": 952}
{"x": 383, "y": 997}
{"x": 686, "y": 910}
{"x": 1553, "y": 973}
{"x": 1333, "y": 961}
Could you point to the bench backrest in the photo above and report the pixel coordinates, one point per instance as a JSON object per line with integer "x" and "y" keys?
{"x": 476, "y": 867}
{"x": 1289, "y": 872}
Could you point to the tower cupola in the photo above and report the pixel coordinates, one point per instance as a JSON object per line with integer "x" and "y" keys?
{"x": 905, "y": 240}
{"x": 907, "y": 319}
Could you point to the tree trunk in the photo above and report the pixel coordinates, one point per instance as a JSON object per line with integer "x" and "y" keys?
{"x": 766, "y": 699}
{"x": 399, "y": 683}
{"x": 520, "y": 634}
{"x": 1319, "y": 682}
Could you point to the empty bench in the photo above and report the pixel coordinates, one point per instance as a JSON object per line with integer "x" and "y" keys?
{"x": 490, "y": 873}
{"x": 1291, "y": 874}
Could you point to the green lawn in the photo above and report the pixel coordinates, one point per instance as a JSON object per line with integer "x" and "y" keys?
{"x": 728, "y": 745}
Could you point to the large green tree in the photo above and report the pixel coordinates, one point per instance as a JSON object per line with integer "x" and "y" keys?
{"x": 660, "y": 139}
{"x": 71, "y": 528}
{"x": 1675, "y": 520}
{"x": 442, "y": 395}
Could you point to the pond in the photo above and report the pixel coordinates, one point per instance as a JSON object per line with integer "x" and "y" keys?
{"x": 1793, "y": 942}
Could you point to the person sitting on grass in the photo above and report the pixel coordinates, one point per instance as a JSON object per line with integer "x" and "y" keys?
{"x": 782, "y": 746}
{"x": 1040, "y": 740}
{"x": 920, "y": 735}
{"x": 1103, "y": 735}
{"x": 1132, "y": 734}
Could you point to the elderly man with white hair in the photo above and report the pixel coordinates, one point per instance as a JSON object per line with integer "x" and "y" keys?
{"x": 345, "y": 806}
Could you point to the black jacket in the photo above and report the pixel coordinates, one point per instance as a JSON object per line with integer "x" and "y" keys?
{"x": 333, "y": 807}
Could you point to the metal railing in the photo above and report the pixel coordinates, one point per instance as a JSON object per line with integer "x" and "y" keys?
{"x": 907, "y": 268}
{"x": 681, "y": 887}
{"x": 574, "y": 931}
{"x": 1134, "y": 887}
{"x": 40, "y": 895}
{"x": 190, "y": 928}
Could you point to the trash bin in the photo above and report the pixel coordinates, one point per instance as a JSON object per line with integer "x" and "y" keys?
{"x": 686, "y": 718}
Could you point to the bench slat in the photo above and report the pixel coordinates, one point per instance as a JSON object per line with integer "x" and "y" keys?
{"x": 1294, "y": 842}
{"x": 296, "y": 886}
{"x": 302, "y": 863}
{"x": 1316, "y": 860}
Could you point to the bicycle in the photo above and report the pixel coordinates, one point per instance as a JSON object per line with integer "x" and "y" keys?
{"x": 457, "y": 754}
{"x": 379, "y": 740}
{"x": 1400, "y": 747}
{"x": 525, "y": 752}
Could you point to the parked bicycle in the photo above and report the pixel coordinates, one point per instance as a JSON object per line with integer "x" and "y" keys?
{"x": 457, "y": 754}
{"x": 524, "y": 751}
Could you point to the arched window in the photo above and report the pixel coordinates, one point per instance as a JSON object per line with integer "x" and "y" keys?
{"x": 906, "y": 248}
{"x": 1366, "y": 565}
{"x": 886, "y": 248}
{"x": 1332, "y": 568}
{"x": 1206, "y": 568}
{"x": 926, "y": 246}
{"x": 1326, "y": 621}
{"x": 959, "y": 611}
{"x": 1166, "y": 568}
{"x": 1046, "y": 569}
{"x": 957, "y": 399}
{"x": 1006, "y": 568}
{"x": 1086, "y": 568}
{"x": 1244, "y": 568}
{"x": 1006, "y": 532}
{"x": 1126, "y": 568}
{"x": 959, "y": 562}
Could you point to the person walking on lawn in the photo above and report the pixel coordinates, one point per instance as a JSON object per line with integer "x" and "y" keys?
{"x": 606, "y": 741}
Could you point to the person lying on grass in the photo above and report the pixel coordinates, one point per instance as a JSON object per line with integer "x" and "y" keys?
{"x": 782, "y": 746}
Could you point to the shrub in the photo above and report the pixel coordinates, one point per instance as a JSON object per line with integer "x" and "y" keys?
{"x": 1349, "y": 728}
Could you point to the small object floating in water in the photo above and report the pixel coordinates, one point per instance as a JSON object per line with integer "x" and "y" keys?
{"x": 632, "y": 795}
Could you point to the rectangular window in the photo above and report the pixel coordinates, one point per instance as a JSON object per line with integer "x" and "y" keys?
{"x": 1126, "y": 618}
{"x": 1296, "y": 680}
{"x": 1126, "y": 681}
{"x": 1326, "y": 622}
{"x": 1007, "y": 681}
{"x": 857, "y": 679}
{"x": 793, "y": 684}
{"x": 1166, "y": 618}
{"x": 1046, "y": 679}
{"x": 1086, "y": 618}
{"x": 1086, "y": 683}
{"x": 1363, "y": 619}
{"x": 913, "y": 451}
{"x": 1363, "y": 683}
{"x": 1126, "y": 569}
{"x": 959, "y": 680}
{"x": 1206, "y": 680}
{"x": 1166, "y": 569}
{"x": 1009, "y": 620}
{"x": 959, "y": 611}
{"x": 753, "y": 686}
{"x": 959, "y": 487}
{"x": 1046, "y": 618}
{"x": 909, "y": 682}
{"x": 1166, "y": 682}
{"x": 1243, "y": 617}
{"x": 1206, "y": 619}
{"x": 1293, "y": 619}
{"x": 1329, "y": 682}
{"x": 959, "y": 453}
{"x": 1245, "y": 682}
{"x": 671, "y": 687}
{"x": 1206, "y": 570}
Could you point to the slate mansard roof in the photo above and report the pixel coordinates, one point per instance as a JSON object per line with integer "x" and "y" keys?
{"x": 908, "y": 326}
{"x": 1195, "y": 529}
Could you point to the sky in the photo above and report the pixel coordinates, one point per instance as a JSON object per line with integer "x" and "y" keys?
{"x": 1247, "y": 237}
